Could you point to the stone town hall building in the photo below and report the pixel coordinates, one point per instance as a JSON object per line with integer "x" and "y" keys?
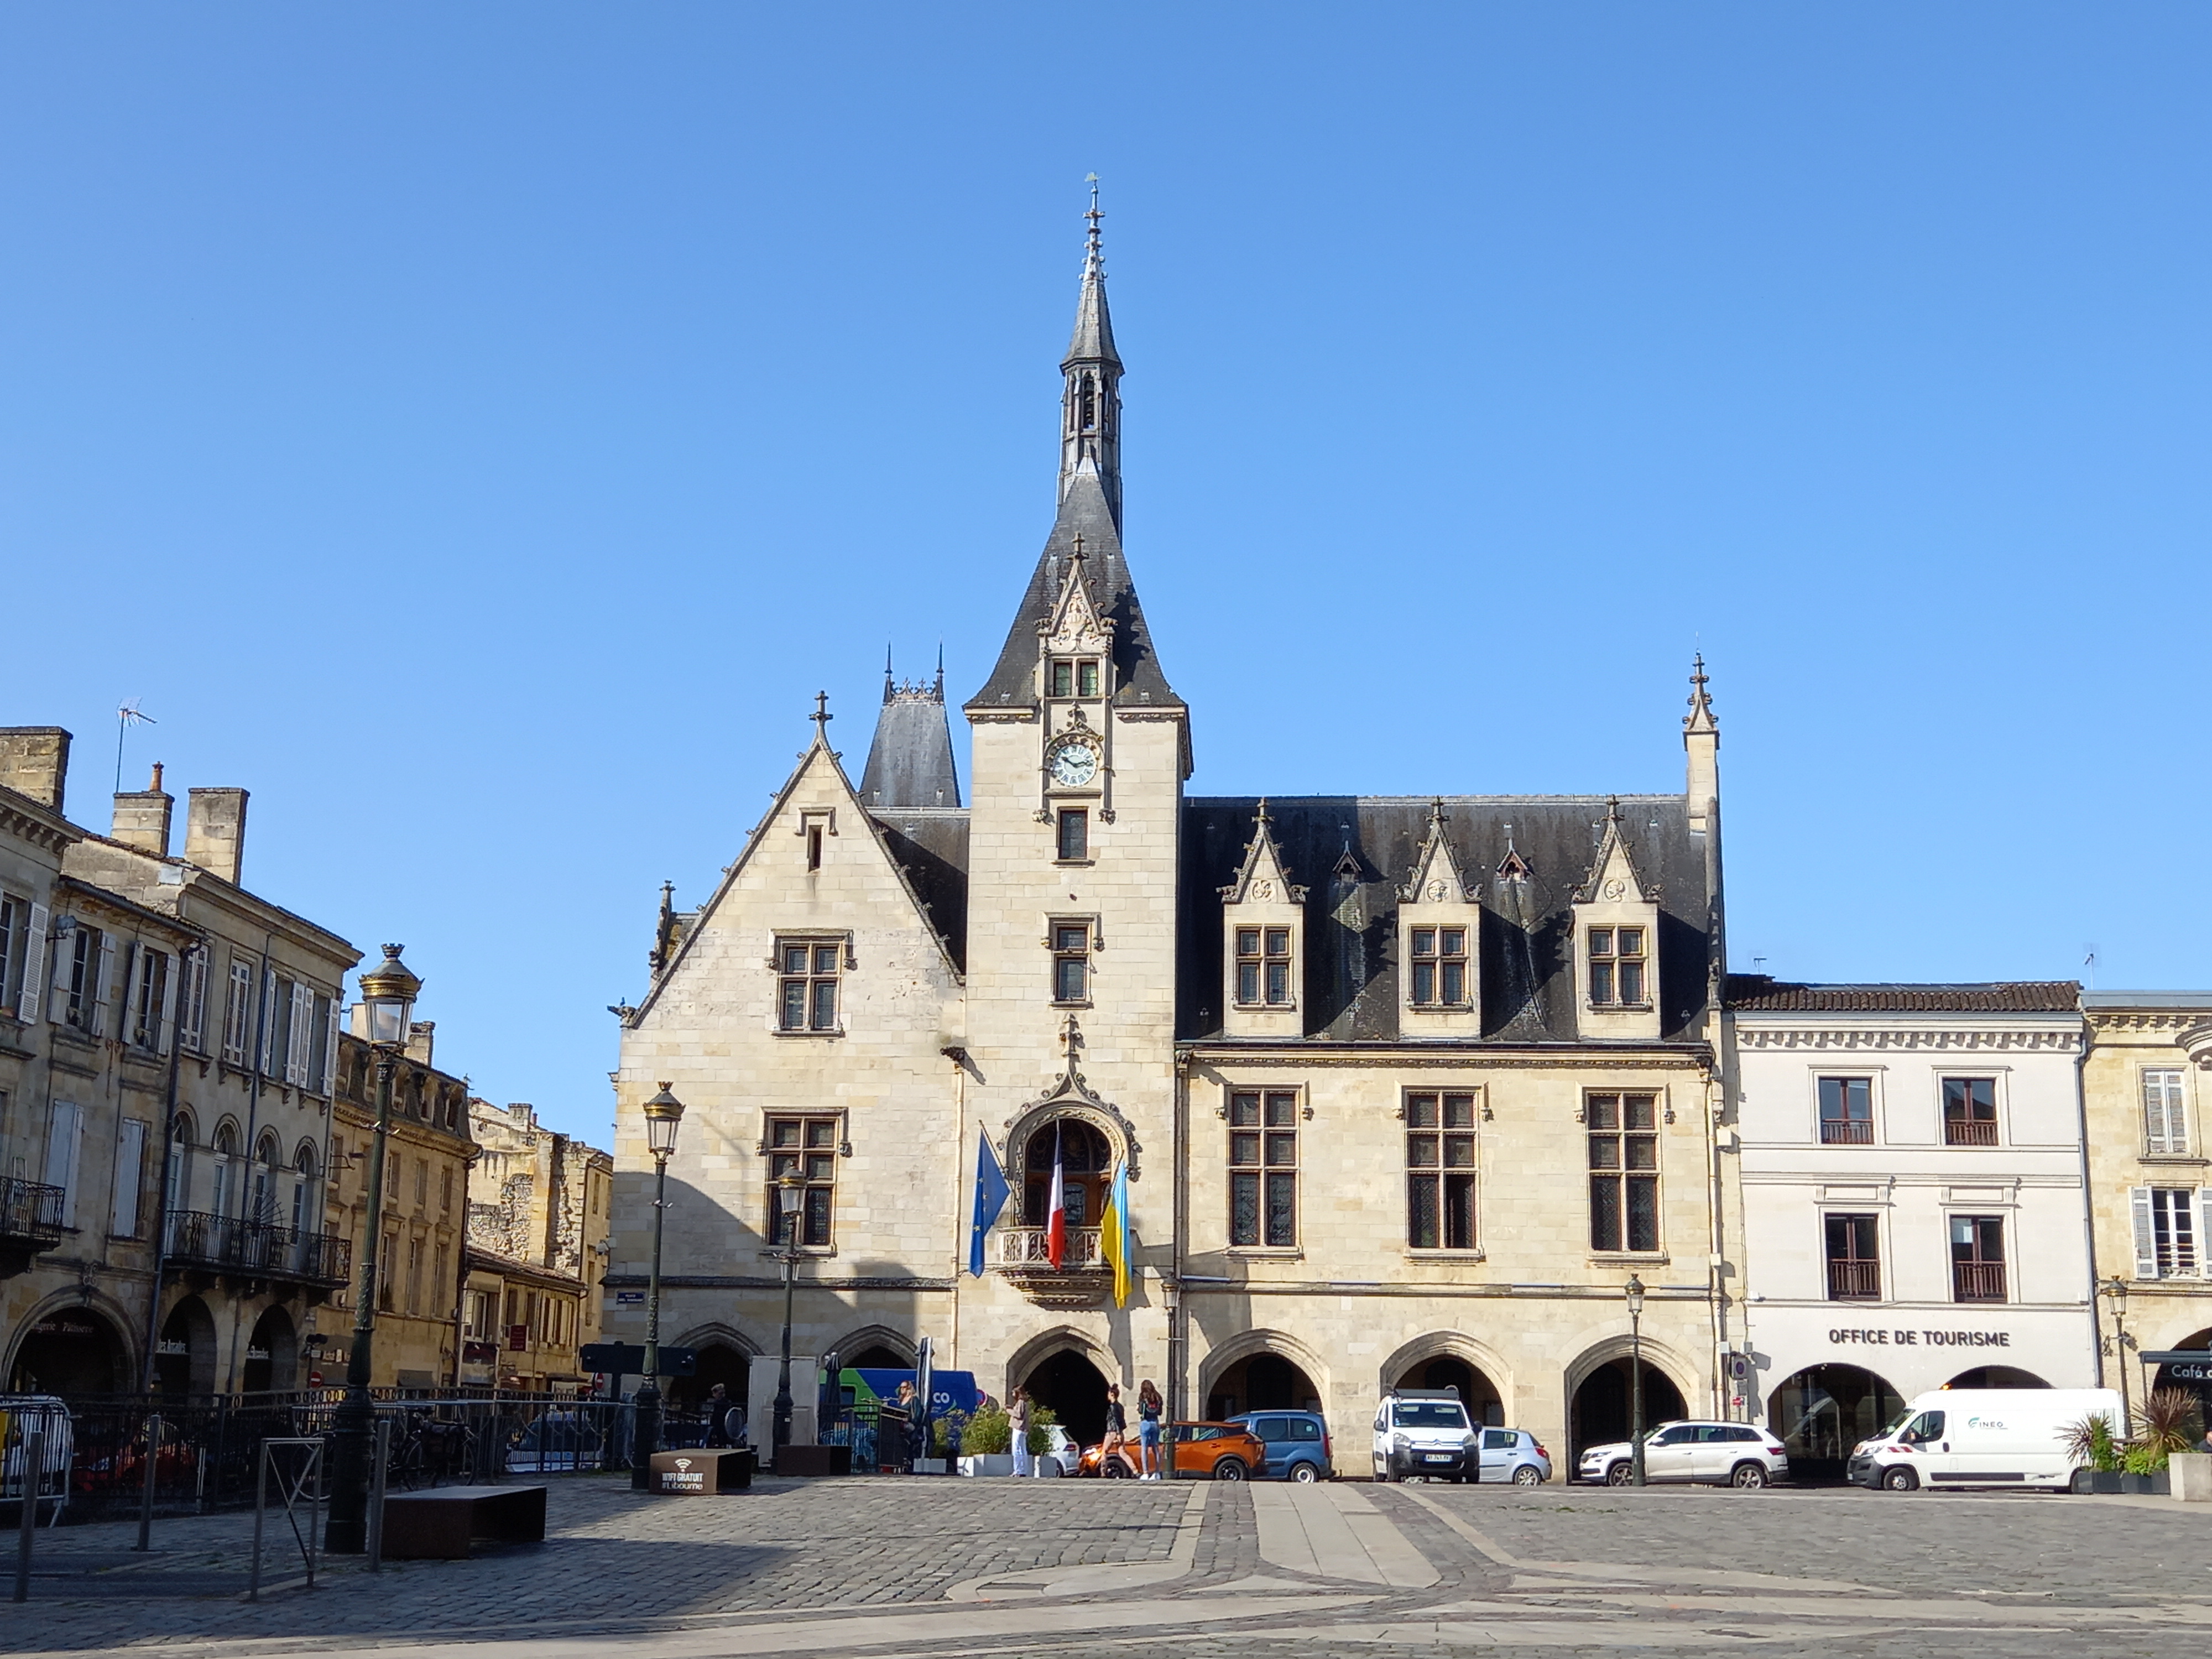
{"x": 1407, "y": 1088}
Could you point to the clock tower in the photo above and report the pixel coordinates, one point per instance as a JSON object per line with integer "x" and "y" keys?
{"x": 1081, "y": 748}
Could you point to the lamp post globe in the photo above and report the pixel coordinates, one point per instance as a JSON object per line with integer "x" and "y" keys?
{"x": 1633, "y": 1291}
{"x": 790, "y": 1198}
{"x": 663, "y": 1114}
{"x": 387, "y": 994}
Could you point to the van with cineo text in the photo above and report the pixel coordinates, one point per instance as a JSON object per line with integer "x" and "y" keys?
{"x": 1962, "y": 1438}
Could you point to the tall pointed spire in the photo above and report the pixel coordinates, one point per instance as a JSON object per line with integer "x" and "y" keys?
{"x": 1091, "y": 396}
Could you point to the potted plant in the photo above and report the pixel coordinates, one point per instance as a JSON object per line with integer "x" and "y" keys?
{"x": 987, "y": 1442}
{"x": 2169, "y": 1421}
{"x": 2090, "y": 1442}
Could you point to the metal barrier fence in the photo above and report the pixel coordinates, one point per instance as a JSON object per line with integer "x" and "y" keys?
{"x": 208, "y": 1452}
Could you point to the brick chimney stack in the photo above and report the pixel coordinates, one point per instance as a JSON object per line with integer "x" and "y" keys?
{"x": 143, "y": 817}
{"x": 215, "y": 832}
{"x": 34, "y": 762}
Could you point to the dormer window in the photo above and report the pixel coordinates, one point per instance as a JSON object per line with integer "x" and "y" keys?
{"x": 1263, "y": 967}
{"x": 1616, "y": 964}
{"x": 1075, "y": 676}
{"x": 1439, "y": 957}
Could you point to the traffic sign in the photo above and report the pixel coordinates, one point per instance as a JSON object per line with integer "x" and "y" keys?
{"x": 627, "y": 1358}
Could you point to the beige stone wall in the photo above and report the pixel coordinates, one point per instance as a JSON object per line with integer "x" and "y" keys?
{"x": 2126, "y": 1038}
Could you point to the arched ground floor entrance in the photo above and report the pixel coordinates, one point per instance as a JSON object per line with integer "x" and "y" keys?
{"x": 1476, "y": 1391}
{"x": 1261, "y": 1383}
{"x": 184, "y": 1362}
{"x": 271, "y": 1353}
{"x": 1996, "y": 1377}
{"x": 1602, "y": 1407}
{"x": 70, "y": 1351}
{"x": 1823, "y": 1411}
{"x": 713, "y": 1362}
{"x": 1075, "y": 1390}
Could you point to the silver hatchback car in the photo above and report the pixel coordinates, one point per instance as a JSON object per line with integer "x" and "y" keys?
{"x": 1513, "y": 1457}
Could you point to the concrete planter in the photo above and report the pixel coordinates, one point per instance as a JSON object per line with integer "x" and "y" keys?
{"x": 2192, "y": 1473}
{"x": 994, "y": 1463}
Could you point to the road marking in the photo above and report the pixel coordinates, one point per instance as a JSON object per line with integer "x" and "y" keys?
{"x": 1333, "y": 1532}
{"x": 1031, "y": 1582}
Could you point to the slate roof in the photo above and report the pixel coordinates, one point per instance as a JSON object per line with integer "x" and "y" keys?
{"x": 1137, "y": 677}
{"x": 1764, "y": 994}
{"x": 931, "y": 845}
{"x": 910, "y": 761}
{"x": 1352, "y": 854}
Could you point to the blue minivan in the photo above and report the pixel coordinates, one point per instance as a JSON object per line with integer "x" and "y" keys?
{"x": 1297, "y": 1444}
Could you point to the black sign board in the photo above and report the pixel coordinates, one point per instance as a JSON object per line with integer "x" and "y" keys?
{"x": 628, "y": 1359}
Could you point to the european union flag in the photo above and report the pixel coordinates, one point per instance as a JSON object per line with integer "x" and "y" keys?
{"x": 991, "y": 1193}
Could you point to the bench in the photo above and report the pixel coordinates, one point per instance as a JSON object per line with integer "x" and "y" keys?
{"x": 702, "y": 1471}
{"x": 441, "y": 1524}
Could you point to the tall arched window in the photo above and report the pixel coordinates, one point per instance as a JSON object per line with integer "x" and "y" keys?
{"x": 226, "y": 1152}
{"x": 267, "y": 1156}
{"x": 1087, "y": 1164}
{"x": 303, "y": 1190}
{"x": 1087, "y": 403}
{"x": 180, "y": 1163}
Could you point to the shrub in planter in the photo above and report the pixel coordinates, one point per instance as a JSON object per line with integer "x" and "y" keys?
{"x": 1040, "y": 1420}
{"x": 2169, "y": 1421}
{"x": 987, "y": 1433}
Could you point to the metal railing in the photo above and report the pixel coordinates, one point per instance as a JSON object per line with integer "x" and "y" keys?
{"x": 1970, "y": 1131}
{"x": 1028, "y": 1247}
{"x": 1977, "y": 1281}
{"x": 1854, "y": 1281}
{"x": 266, "y": 1250}
{"x": 31, "y": 1210}
{"x": 1846, "y": 1132}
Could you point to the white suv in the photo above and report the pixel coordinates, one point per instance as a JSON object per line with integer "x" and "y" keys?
{"x": 1724, "y": 1453}
{"x": 1424, "y": 1432}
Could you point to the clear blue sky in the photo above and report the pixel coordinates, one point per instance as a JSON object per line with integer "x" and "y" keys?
{"x": 479, "y": 430}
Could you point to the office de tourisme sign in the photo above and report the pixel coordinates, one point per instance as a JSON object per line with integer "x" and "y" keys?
{"x": 1903, "y": 1339}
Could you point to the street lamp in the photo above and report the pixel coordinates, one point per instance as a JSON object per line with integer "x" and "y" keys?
{"x": 1634, "y": 1292}
{"x": 387, "y": 994}
{"x": 2115, "y": 1291}
{"x": 662, "y": 1114}
{"x": 791, "y": 1197}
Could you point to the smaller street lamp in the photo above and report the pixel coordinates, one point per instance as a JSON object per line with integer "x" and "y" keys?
{"x": 1634, "y": 1292}
{"x": 790, "y": 1198}
{"x": 662, "y": 1114}
{"x": 2115, "y": 1291}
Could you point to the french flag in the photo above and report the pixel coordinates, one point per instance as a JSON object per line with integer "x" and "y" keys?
{"x": 1055, "y": 1224}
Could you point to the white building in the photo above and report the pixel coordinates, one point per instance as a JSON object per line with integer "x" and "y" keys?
{"x": 1914, "y": 1198}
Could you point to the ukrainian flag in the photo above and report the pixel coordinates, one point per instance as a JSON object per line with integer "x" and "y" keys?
{"x": 1114, "y": 1233}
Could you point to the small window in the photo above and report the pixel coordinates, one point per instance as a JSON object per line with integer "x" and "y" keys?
{"x": 1624, "y": 1163}
{"x": 809, "y": 984}
{"x": 808, "y": 1145}
{"x": 1070, "y": 962}
{"x": 147, "y": 997}
{"x": 238, "y": 1012}
{"x": 1439, "y": 967}
{"x": 1263, "y": 1168}
{"x": 1977, "y": 1272}
{"x": 1617, "y": 966}
{"x": 1074, "y": 676}
{"x": 1440, "y": 1169}
{"x": 1074, "y": 834}
{"x": 813, "y": 846}
{"x": 2166, "y": 1129}
{"x": 2166, "y": 1232}
{"x": 1847, "y": 1111}
{"x": 1263, "y": 967}
{"x": 1854, "y": 1271}
{"x": 1969, "y": 1111}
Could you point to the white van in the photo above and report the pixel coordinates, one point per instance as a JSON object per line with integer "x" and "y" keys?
{"x": 1968, "y": 1438}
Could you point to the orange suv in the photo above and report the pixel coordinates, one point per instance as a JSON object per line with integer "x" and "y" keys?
{"x": 1218, "y": 1451}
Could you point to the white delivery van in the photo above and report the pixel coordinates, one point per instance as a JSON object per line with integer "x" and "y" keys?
{"x": 1968, "y": 1438}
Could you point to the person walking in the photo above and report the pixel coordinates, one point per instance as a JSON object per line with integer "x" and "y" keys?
{"x": 1017, "y": 1425}
{"x": 1117, "y": 1427}
{"x": 718, "y": 1411}
{"x": 1150, "y": 1406}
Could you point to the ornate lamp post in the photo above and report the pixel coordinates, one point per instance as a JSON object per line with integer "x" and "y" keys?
{"x": 662, "y": 1114}
{"x": 2115, "y": 1291}
{"x": 387, "y": 993}
{"x": 1634, "y": 1292}
{"x": 791, "y": 1195}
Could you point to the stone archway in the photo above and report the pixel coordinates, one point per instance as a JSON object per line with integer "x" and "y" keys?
{"x": 1262, "y": 1371}
{"x": 1996, "y": 1377}
{"x": 1599, "y": 1406}
{"x": 1451, "y": 1360}
{"x": 184, "y": 1362}
{"x": 1066, "y": 1371}
{"x": 72, "y": 1351}
{"x": 1823, "y": 1411}
{"x": 724, "y": 1356}
{"x": 271, "y": 1353}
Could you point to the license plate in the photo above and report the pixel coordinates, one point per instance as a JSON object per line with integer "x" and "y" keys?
{"x": 1436, "y": 1457}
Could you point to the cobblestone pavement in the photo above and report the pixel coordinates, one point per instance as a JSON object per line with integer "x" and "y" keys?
{"x": 944, "y": 1568}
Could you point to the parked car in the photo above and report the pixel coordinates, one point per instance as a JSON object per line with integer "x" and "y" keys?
{"x": 1969, "y": 1437}
{"x": 1063, "y": 1456}
{"x": 1514, "y": 1456}
{"x": 1220, "y": 1451}
{"x": 1720, "y": 1453}
{"x": 1295, "y": 1445}
{"x": 1424, "y": 1432}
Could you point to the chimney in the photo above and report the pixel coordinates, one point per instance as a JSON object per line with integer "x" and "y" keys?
{"x": 141, "y": 817}
{"x": 422, "y": 1039}
{"x": 215, "y": 832}
{"x": 34, "y": 762}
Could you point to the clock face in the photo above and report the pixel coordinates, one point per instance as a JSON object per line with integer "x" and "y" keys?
{"x": 1074, "y": 764}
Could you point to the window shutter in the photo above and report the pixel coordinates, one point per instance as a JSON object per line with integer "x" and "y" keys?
{"x": 298, "y": 1052}
{"x": 130, "y": 1168}
{"x": 64, "y": 1129}
{"x": 194, "y": 966}
{"x": 2204, "y": 1238}
{"x": 135, "y": 967}
{"x": 34, "y": 967}
{"x": 266, "y": 1057}
{"x": 331, "y": 1053}
{"x": 104, "y": 991}
{"x": 2146, "y": 1241}
{"x": 169, "y": 1031}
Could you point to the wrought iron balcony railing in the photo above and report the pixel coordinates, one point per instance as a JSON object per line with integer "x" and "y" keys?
{"x": 263, "y": 1250}
{"x": 30, "y": 1212}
